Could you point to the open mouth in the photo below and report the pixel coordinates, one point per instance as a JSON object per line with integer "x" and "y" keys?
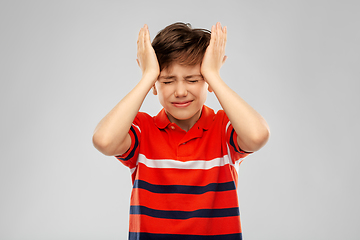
{"x": 182, "y": 104}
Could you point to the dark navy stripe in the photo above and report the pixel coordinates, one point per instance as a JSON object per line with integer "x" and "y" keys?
{"x": 200, "y": 213}
{"x": 131, "y": 154}
{"x": 185, "y": 189}
{"x": 232, "y": 142}
{"x": 153, "y": 236}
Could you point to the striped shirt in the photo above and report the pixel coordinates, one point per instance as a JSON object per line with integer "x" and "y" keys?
{"x": 184, "y": 183}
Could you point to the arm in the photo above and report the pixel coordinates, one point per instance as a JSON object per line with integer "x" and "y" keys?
{"x": 251, "y": 128}
{"x": 111, "y": 135}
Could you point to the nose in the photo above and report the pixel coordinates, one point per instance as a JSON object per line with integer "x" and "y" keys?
{"x": 180, "y": 90}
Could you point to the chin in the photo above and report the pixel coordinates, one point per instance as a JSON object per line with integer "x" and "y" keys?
{"x": 184, "y": 114}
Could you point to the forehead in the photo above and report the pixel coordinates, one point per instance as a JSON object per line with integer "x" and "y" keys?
{"x": 178, "y": 70}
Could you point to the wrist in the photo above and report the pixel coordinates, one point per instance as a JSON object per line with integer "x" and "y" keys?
{"x": 211, "y": 76}
{"x": 150, "y": 76}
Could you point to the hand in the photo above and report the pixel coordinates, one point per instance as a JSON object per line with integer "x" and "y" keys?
{"x": 214, "y": 56}
{"x": 146, "y": 57}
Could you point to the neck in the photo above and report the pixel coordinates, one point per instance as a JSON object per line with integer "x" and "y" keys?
{"x": 185, "y": 124}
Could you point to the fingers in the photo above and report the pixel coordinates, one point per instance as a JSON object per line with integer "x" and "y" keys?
{"x": 214, "y": 56}
{"x": 218, "y": 35}
{"x": 143, "y": 38}
{"x": 221, "y": 34}
{"x": 139, "y": 41}
{"x": 225, "y": 35}
{"x": 146, "y": 56}
{"x": 147, "y": 34}
{"x": 213, "y": 35}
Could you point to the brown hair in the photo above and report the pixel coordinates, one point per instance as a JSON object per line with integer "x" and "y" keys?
{"x": 180, "y": 43}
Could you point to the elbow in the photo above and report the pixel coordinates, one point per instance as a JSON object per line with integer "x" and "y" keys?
{"x": 110, "y": 146}
{"x": 257, "y": 140}
{"x": 102, "y": 144}
{"x": 261, "y": 138}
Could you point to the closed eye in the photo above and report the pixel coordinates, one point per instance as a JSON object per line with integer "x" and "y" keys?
{"x": 167, "y": 82}
{"x": 193, "y": 81}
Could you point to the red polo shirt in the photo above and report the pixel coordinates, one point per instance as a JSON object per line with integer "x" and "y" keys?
{"x": 184, "y": 183}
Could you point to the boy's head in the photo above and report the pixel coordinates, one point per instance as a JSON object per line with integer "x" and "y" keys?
{"x": 181, "y": 88}
{"x": 180, "y": 43}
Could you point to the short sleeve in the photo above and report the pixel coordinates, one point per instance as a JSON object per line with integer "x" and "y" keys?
{"x": 236, "y": 153}
{"x": 129, "y": 158}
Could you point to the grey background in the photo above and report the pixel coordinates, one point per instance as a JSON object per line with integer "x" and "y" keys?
{"x": 65, "y": 64}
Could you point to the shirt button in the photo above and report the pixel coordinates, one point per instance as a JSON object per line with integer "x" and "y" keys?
{"x": 172, "y": 127}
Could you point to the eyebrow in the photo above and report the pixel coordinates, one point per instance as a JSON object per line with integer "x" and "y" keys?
{"x": 174, "y": 77}
{"x": 194, "y": 76}
{"x": 167, "y": 77}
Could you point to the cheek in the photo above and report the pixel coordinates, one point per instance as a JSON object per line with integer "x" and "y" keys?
{"x": 201, "y": 90}
{"x": 164, "y": 92}
{"x": 204, "y": 94}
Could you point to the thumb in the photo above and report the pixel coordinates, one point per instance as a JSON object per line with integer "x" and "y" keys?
{"x": 224, "y": 59}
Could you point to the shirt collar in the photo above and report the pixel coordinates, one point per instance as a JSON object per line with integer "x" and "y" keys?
{"x": 207, "y": 117}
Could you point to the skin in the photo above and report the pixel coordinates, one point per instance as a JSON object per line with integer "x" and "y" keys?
{"x": 182, "y": 91}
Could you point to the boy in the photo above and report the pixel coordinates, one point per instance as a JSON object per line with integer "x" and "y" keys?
{"x": 184, "y": 160}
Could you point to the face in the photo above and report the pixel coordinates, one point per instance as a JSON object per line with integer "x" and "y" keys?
{"x": 182, "y": 92}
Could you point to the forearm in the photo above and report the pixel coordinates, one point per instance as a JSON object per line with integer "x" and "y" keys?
{"x": 111, "y": 134}
{"x": 250, "y": 126}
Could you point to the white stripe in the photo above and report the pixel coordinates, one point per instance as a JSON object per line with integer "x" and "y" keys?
{"x": 132, "y": 170}
{"x": 227, "y": 126}
{"x": 237, "y": 163}
{"x": 137, "y": 127}
{"x": 197, "y": 164}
